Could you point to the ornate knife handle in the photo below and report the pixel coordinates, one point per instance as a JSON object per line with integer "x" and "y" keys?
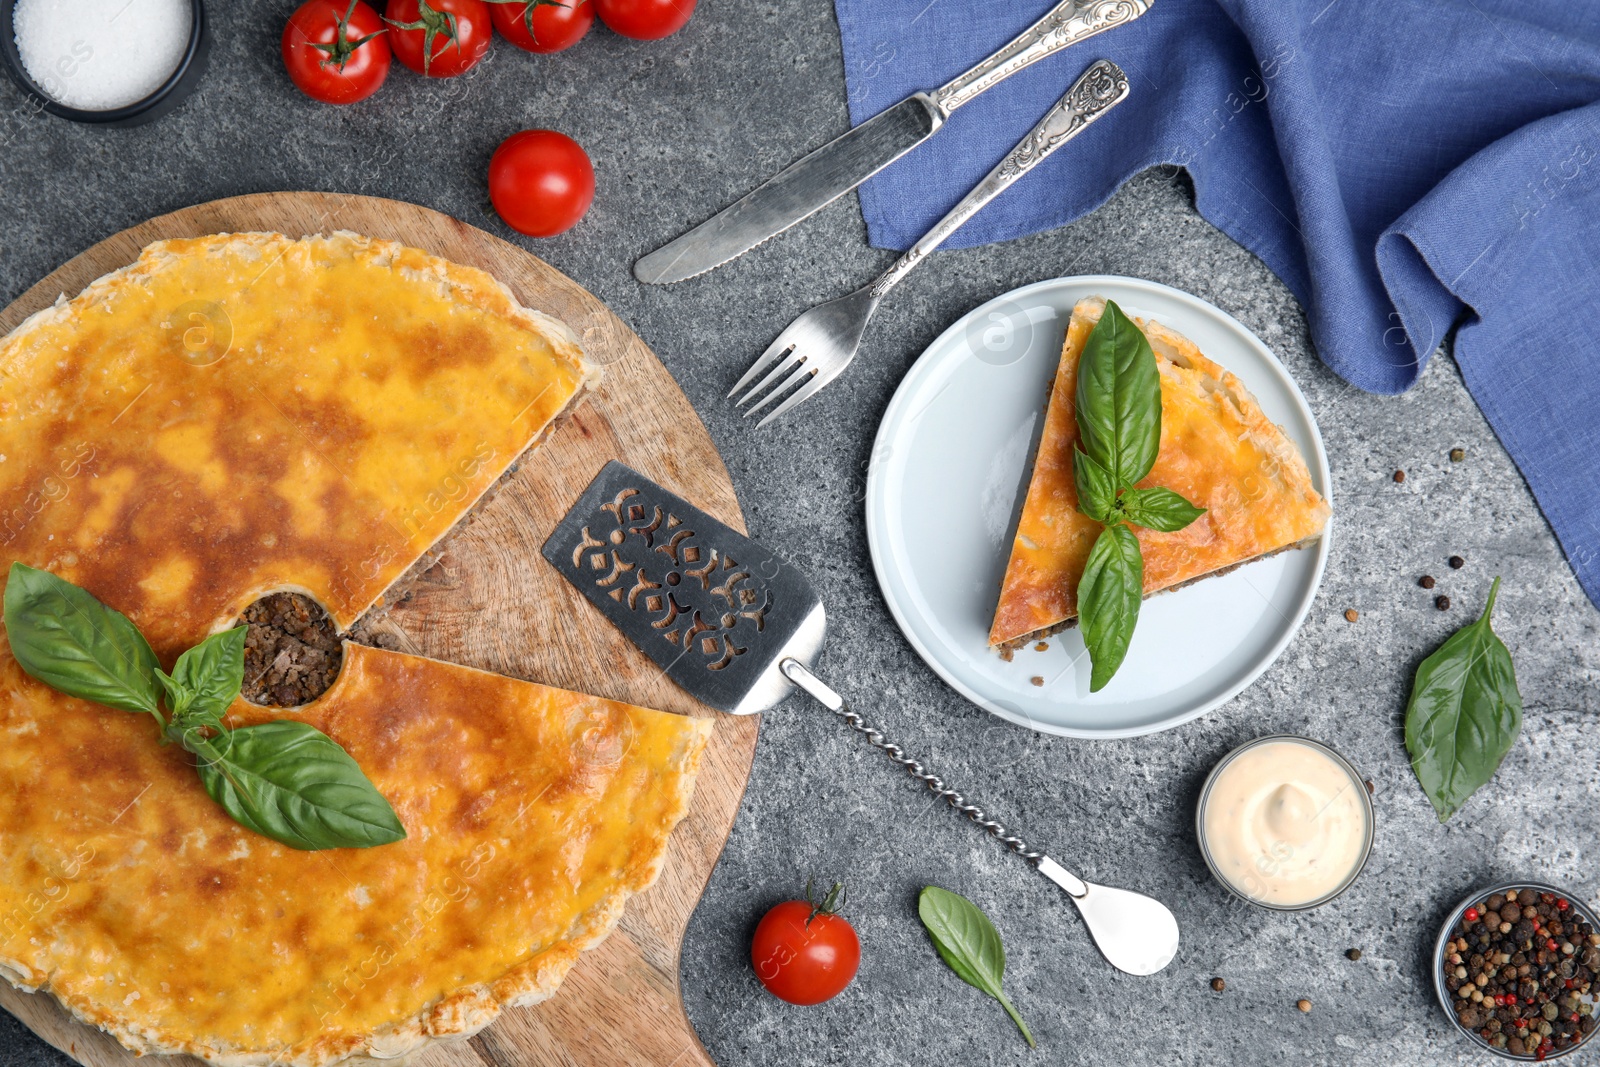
{"x": 1102, "y": 87}
{"x": 1068, "y": 23}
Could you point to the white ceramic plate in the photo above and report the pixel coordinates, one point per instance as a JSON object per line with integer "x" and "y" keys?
{"x": 945, "y": 483}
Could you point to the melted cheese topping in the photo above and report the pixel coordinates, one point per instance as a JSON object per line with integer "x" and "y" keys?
{"x": 531, "y": 814}
{"x": 243, "y": 413}
{"x": 1217, "y": 450}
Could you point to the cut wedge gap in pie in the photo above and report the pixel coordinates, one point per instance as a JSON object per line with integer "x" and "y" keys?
{"x": 1218, "y": 451}
{"x": 247, "y": 414}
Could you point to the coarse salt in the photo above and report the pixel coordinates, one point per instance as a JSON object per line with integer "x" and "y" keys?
{"x": 97, "y": 55}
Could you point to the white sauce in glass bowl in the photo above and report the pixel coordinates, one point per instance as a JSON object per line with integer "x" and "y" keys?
{"x": 1285, "y": 823}
{"x": 99, "y": 55}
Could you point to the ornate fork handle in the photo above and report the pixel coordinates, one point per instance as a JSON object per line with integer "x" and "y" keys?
{"x": 1102, "y": 87}
{"x": 1068, "y": 23}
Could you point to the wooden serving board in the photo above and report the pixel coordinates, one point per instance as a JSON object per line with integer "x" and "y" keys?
{"x": 490, "y": 601}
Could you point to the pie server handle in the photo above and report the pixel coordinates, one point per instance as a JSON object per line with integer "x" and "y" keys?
{"x": 1136, "y": 933}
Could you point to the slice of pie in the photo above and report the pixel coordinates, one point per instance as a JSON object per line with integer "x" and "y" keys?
{"x": 248, "y": 414}
{"x": 1218, "y": 451}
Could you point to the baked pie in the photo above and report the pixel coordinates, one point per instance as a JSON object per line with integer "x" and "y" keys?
{"x": 245, "y": 414}
{"x": 1218, "y": 451}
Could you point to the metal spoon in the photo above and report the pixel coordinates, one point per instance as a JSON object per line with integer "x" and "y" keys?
{"x": 1136, "y": 933}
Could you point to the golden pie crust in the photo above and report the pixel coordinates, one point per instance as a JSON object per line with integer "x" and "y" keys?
{"x": 242, "y": 414}
{"x": 1218, "y": 450}
{"x": 531, "y": 815}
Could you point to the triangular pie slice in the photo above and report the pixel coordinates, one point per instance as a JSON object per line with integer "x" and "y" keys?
{"x": 1218, "y": 450}
{"x": 245, "y": 414}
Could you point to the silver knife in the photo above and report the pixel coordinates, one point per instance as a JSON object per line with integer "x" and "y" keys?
{"x": 813, "y": 182}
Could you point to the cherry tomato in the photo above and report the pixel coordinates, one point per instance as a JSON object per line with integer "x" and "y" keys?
{"x": 645, "y": 20}
{"x": 439, "y": 38}
{"x": 541, "y": 182}
{"x": 803, "y": 952}
{"x": 335, "y": 52}
{"x": 542, "y": 25}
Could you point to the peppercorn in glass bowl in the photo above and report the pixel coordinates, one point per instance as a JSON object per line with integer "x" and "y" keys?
{"x": 1551, "y": 939}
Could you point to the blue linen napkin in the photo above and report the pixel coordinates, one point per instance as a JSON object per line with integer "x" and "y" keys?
{"x": 1400, "y": 164}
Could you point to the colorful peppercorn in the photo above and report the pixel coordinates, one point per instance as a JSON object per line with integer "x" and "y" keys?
{"x": 1520, "y": 968}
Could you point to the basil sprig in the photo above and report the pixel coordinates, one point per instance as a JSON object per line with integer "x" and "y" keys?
{"x": 1118, "y": 410}
{"x": 968, "y": 942}
{"x": 285, "y": 779}
{"x": 1465, "y": 713}
{"x": 206, "y": 678}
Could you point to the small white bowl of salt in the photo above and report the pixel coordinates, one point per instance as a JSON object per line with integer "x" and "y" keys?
{"x": 109, "y": 62}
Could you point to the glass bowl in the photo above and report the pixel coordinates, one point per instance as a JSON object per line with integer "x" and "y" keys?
{"x": 179, "y": 84}
{"x": 1447, "y": 933}
{"x": 1361, "y": 791}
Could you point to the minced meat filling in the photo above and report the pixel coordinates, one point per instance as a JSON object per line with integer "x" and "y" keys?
{"x": 292, "y": 652}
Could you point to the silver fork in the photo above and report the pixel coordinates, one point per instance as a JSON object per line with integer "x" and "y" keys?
{"x": 820, "y": 344}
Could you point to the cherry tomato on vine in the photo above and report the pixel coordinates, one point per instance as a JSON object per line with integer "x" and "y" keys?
{"x": 542, "y": 25}
{"x": 805, "y": 953}
{"x": 541, "y": 182}
{"x": 335, "y": 52}
{"x": 645, "y": 20}
{"x": 439, "y": 38}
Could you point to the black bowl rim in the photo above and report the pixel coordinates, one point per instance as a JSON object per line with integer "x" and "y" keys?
{"x": 1366, "y": 800}
{"x": 19, "y": 73}
{"x": 1442, "y": 995}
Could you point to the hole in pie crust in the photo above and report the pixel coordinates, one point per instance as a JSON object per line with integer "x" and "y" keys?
{"x": 292, "y": 653}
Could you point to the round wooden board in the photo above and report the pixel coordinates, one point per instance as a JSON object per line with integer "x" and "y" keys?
{"x": 490, "y": 601}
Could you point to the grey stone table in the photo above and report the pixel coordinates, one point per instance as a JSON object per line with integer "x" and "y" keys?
{"x": 677, "y": 129}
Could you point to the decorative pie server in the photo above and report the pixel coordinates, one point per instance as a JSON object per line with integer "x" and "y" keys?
{"x": 737, "y": 626}
{"x": 814, "y": 181}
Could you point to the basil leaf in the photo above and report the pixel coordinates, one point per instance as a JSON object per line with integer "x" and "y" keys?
{"x": 968, "y": 942}
{"x": 1118, "y": 399}
{"x": 1158, "y": 509}
{"x": 178, "y": 698}
{"x": 294, "y": 784}
{"x": 1097, "y": 492}
{"x": 206, "y": 678}
{"x": 63, "y": 636}
{"x": 1465, "y": 713}
{"x": 1108, "y": 601}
